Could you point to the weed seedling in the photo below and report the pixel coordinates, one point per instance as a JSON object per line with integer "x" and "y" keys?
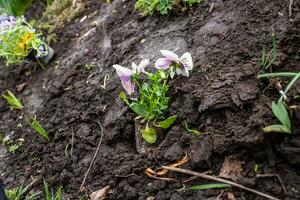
{"x": 268, "y": 59}
{"x": 12, "y": 100}
{"x": 10, "y": 144}
{"x": 51, "y": 195}
{"x": 279, "y": 108}
{"x": 151, "y": 102}
{"x": 148, "y": 7}
{"x": 193, "y": 131}
{"x": 38, "y": 128}
{"x": 19, "y": 194}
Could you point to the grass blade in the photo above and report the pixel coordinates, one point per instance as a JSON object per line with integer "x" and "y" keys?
{"x": 208, "y": 186}
{"x": 38, "y": 128}
{"x": 12, "y": 100}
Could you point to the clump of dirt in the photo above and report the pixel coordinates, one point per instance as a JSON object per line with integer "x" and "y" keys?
{"x": 222, "y": 97}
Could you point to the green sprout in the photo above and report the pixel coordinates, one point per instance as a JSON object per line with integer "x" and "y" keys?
{"x": 51, "y": 195}
{"x": 12, "y": 100}
{"x": 38, "y": 128}
{"x": 148, "y": 7}
{"x": 20, "y": 194}
{"x": 268, "y": 59}
{"x": 196, "y": 132}
{"x": 279, "y": 108}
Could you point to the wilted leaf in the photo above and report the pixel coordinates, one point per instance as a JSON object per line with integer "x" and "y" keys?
{"x": 100, "y": 194}
{"x": 276, "y": 128}
{"x": 231, "y": 169}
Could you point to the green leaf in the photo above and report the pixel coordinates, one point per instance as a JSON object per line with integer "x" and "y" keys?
{"x": 196, "y": 132}
{"x": 15, "y": 7}
{"x": 281, "y": 113}
{"x": 139, "y": 109}
{"x": 208, "y": 186}
{"x": 167, "y": 122}
{"x": 12, "y": 100}
{"x": 149, "y": 134}
{"x": 123, "y": 97}
{"x": 38, "y": 128}
{"x": 279, "y": 128}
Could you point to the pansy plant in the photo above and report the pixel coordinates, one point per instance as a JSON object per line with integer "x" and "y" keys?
{"x": 148, "y": 89}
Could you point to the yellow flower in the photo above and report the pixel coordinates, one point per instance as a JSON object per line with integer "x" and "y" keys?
{"x": 27, "y": 37}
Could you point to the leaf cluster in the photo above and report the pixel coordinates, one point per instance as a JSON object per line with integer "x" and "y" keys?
{"x": 18, "y": 40}
{"x": 148, "y": 7}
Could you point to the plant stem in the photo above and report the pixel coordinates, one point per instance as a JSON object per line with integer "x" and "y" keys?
{"x": 280, "y": 74}
{"x": 209, "y": 177}
{"x": 288, "y": 87}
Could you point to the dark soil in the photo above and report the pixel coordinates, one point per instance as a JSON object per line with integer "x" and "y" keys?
{"x": 222, "y": 97}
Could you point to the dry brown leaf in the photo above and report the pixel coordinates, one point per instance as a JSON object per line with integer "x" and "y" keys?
{"x": 230, "y": 196}
{"x": 21, "y": 87}
{"x": 100, "y": 194}
{"x": 155, "y": 174}
{"x": 231, "y": 169}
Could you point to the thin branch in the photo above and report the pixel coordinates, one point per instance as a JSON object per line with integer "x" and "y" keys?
{"x": 290, "y": 8}
{"x": 95, "y": 155}
{"x": 205, "y": 176}
{"x": 273, "y": 175}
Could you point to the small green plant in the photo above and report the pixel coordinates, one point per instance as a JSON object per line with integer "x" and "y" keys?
{"x": 148, "y": 7}
{"x": 47, "y": 195}
{"x": 38, "y": 128}
{"x": 90, "y": 66}
{"x": 279, "y": 108}
{"x": 151, "y": 102}
{"x": 19, "y": 194}
{"x": 208, "y": 186}
{"x": 10, "y": 144}
{"x": 18, "y": 39}
{"x": 12, "y": 100}
{"x": 268, "y": 59}
{"x": 193, "y": 131}
{"x": 15, "y": 7}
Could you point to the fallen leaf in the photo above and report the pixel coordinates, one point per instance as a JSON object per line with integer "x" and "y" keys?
{"x": 100, "y": 194}
{"x": 21, "y": 87}
{"x": 230, "y": 196}
{"x": 231, "y": 169}
{"x": 160, "y": 172}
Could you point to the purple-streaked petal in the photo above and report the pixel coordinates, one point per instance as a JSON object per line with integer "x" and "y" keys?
{"x": 170, "y": 55}
{"x": 142, "y": 65}
{"x": 122, "y": 71}
{"x": 162, "y": 63}
{"x": 128, "y": 85}
{"x": 187, "y": 61}
{"x": 125, "y": 76}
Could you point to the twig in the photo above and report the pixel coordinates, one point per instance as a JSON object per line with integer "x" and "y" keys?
{"x": 290, "y": 8}
{"x": 95, "y": 155}
{"x": 72, "y": 142}
{"x": 211, "y": 7}
{"x": 205, "y": 176}
{"x": 273, "y": 175}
